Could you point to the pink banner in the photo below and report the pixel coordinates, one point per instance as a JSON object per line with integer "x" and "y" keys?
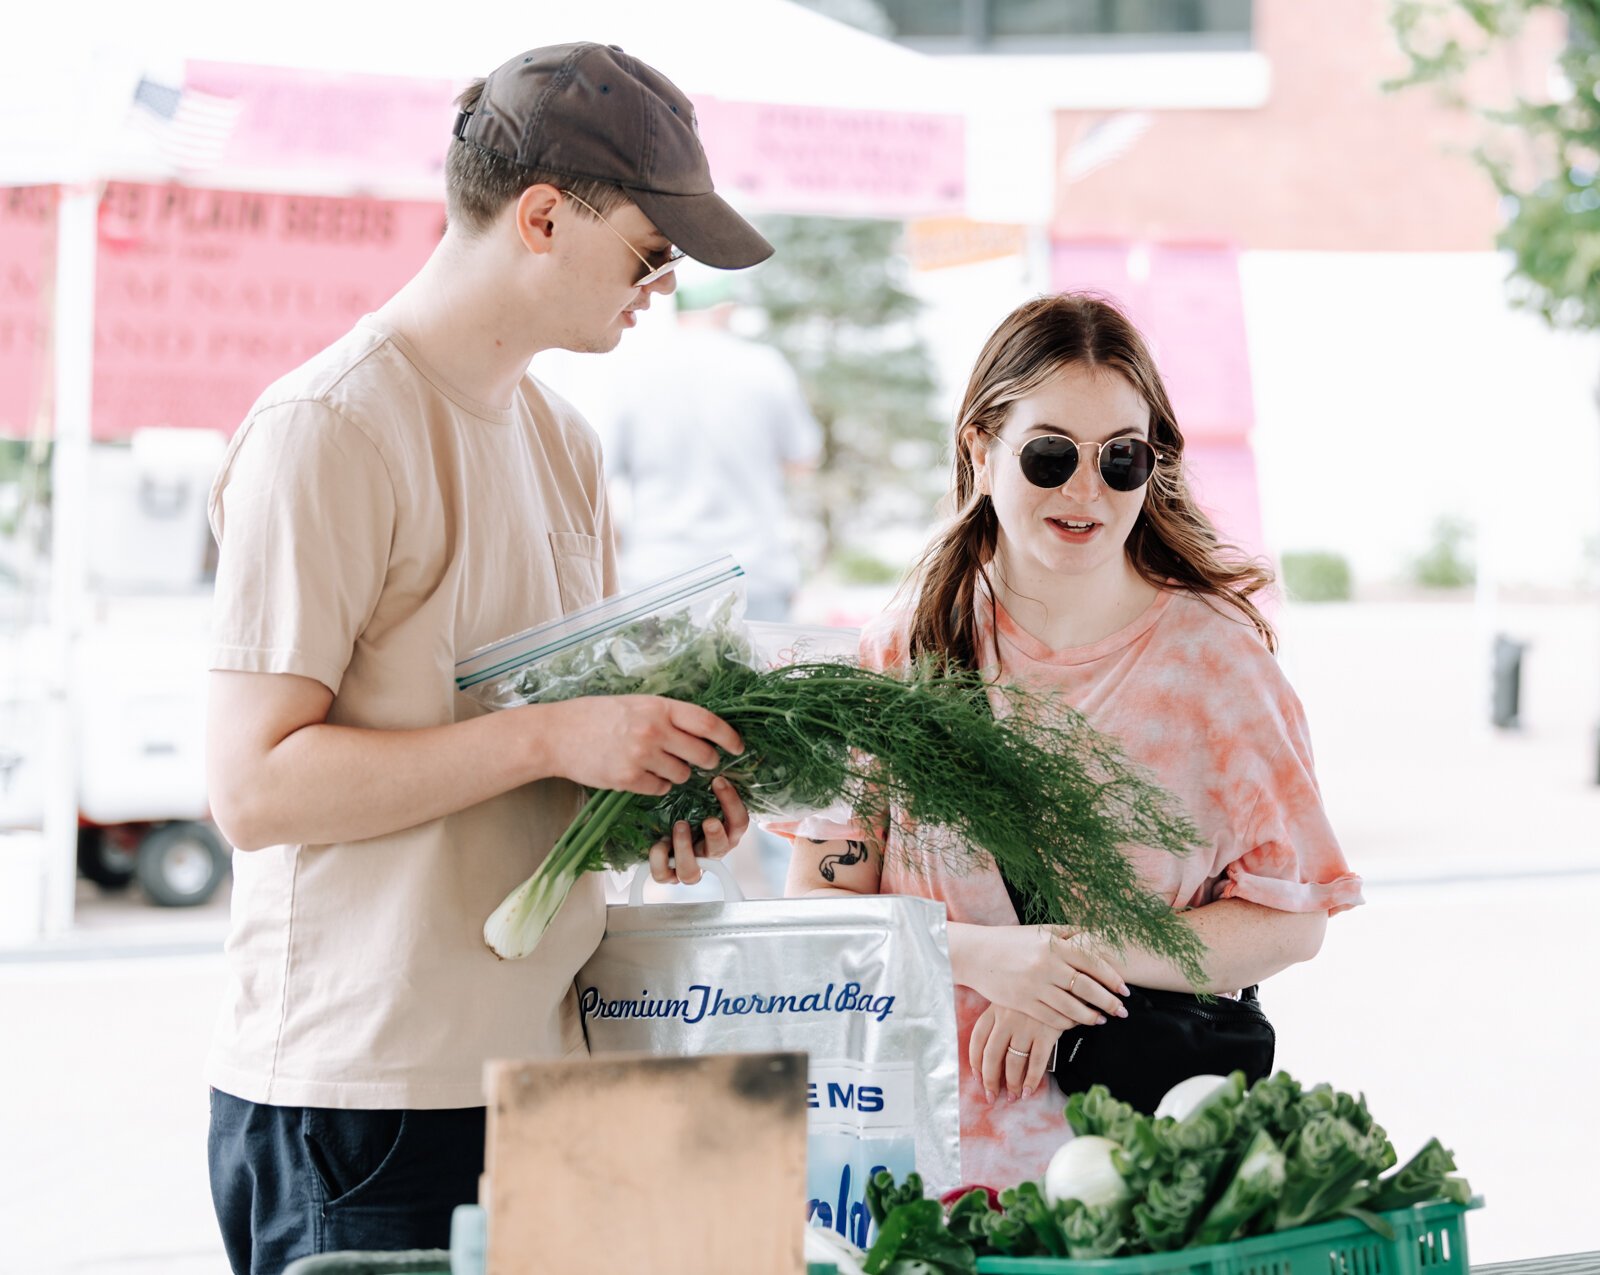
{"x": 1222, "y": 476}
{"x": 805, "y": 159}
{"x": 1186, "y": 301}
{"x": 366, "y": 128}
{"x": 204, "y": 297}
{"x": 27, "y": 274}
{"x": 769, "y": 158}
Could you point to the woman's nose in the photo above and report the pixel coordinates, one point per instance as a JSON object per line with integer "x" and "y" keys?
{"x": 1085, "y": 480}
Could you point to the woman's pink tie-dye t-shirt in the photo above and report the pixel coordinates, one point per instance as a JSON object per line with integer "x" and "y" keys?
{"x": 1193, "y": 693}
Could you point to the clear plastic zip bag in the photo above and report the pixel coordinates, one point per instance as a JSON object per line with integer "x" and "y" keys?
{"x": 668, "y": 637}
{"x": 643, "y": 642}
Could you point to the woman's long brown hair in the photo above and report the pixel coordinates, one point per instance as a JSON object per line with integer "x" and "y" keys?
{"x": 1172, "y": 543}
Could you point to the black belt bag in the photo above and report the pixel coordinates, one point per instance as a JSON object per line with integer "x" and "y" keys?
{"x": 1166, "y": 1037}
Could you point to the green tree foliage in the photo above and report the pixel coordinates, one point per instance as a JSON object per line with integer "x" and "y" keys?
{"x": 1316, "y": 576}
{"x": 836, "y": 305}
{"x": 1447, "y": 561}
{"x": 24, "y": 481}
{"x": 1543, "y": 155}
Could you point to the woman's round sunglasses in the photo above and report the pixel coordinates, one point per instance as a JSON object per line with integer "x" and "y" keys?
{"x": 1049, "y": 460}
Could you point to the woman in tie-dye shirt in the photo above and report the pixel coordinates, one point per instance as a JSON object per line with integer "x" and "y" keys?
{"x": 1077, "y": 560}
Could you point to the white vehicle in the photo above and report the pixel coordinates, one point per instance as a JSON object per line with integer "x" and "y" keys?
{"x": 177, "y": 864}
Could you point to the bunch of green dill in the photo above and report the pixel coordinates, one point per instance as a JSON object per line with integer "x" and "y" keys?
{"x": 1052, "y": 801}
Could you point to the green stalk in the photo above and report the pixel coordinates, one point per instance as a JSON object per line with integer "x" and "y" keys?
{"x": 514, "y": 928}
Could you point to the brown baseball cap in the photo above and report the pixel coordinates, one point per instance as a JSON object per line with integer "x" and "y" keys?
{"x": 590, "y": 110}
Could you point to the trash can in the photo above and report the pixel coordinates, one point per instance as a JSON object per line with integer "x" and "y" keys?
{"x": 1506, "y": 704}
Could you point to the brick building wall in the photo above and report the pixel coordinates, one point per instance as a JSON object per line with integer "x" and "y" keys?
{"x": 1331, "y": 162}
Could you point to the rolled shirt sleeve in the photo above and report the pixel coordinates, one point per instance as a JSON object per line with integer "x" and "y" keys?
{"x": 1292, "y": 860}
{"x": 304, "y": 515}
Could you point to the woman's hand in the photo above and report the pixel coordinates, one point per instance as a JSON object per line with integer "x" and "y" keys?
{"x": 1010, "y": 1052}
{"x": 720, "y": 836}
{"x": 1055, "y": 976}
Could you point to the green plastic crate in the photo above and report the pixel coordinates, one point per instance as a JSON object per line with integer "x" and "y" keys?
{"x": 1430, "y": 1239}
{"x": 420, "y": 1262}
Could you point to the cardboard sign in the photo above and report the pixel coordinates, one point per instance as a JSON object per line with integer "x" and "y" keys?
{"x": 813, "y": 159}
{"x": 27, "y": 276}
{"x": 204, "y": 297}
{"x": 676, "y": 1166}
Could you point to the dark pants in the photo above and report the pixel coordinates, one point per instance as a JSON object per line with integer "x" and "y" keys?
{"x": 288, "y": 1182}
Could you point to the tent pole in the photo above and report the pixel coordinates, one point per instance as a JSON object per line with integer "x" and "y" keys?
{"x": 73, "y": 347}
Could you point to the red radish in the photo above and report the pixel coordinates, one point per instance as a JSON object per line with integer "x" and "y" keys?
{"x": 950, "y": 1197}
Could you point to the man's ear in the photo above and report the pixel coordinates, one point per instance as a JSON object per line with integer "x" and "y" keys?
{"x": 534, "y": 213}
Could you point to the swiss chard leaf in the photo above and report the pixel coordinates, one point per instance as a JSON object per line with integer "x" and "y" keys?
{"x": 1256, "y": 1183}
{"x": 913, "y": 1239}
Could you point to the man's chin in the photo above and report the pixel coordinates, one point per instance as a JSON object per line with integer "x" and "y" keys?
{"x": 596, "y": 344}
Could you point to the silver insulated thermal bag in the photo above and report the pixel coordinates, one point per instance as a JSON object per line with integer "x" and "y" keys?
{"x": 862, "y": 985}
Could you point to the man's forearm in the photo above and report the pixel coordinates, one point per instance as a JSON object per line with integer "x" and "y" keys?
{"x": 325, "y": 783}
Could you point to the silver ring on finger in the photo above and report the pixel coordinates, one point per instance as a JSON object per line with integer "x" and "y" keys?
{"x": 1012, "y": 1049}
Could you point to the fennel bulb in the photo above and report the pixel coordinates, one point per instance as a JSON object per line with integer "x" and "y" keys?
{"x": 1084, "y": 1170}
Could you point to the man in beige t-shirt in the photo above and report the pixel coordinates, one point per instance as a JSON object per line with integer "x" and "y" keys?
{"x": 408, "y": 495}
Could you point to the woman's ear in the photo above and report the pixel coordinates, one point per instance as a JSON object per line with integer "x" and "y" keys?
{"x": 977, "y": 444}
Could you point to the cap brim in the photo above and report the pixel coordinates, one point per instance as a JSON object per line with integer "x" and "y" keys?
{"x": 705, "y": 227}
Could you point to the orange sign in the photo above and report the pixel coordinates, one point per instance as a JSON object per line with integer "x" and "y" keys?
{"x": 937, "y": 243}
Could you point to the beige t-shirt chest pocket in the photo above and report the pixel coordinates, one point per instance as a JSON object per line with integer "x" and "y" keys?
{"x": 578, "y": 573}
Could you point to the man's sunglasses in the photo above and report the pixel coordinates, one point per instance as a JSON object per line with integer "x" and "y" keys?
{"x": 1051, "y": 459}
{"x": 651, "y": 270}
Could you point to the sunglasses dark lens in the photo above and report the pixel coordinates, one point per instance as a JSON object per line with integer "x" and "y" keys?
{"x": 1048, "y": 461}
{"x": 1127, "y": 463}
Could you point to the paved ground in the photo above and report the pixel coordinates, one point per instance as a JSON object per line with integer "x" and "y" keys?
{"x": 1456, "y": 999}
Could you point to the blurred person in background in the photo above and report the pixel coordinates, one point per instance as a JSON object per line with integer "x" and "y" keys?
{"x": 408, "y": 495}
{"x": 707, "y": 431}
{"x": 1078, "y": 562}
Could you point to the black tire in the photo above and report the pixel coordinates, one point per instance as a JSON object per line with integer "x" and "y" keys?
{"x": 103, "y": 860}
{"x": 182, "y": 864}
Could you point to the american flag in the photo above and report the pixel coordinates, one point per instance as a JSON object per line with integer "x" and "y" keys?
{"x": 190, "y": 128}
{"x": 1103, "y": 141}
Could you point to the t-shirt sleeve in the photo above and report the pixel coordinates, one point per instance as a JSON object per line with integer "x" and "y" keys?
{"x": 1292, "y": 860}
{"x": 303, "y": 512}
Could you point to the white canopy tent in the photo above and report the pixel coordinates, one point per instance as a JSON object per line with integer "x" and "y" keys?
{"x": 65, "y": 88}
